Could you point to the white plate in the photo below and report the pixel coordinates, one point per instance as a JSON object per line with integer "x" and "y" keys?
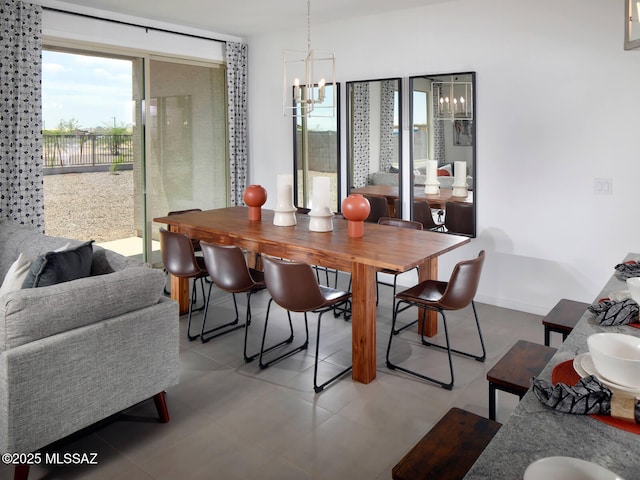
{"x": 583, "y": 365}
{"x": 619, "y": 295}
{"x": 568, "y": 468}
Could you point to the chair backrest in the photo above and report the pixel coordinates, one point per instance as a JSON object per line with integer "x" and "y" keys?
{"x": 400, "y": 223}
{"x": 292, "y": 285}
{"x": 458, "y": 218}
{"x": 379, "y": 208}
{"x": 177, "y": 254}
{"x": 422, "y": 213}
{"x": 227, "y": 267}
{"x": 463, "y": 283}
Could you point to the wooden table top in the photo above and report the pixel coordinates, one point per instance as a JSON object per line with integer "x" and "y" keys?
{"x": 383, "y": 247}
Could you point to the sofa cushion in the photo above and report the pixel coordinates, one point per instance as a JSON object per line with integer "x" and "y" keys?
{"x": 57, "y": 267}
{"x": 16, "y": 274}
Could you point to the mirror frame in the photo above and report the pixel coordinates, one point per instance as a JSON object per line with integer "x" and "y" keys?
{"x": 297, "y": 160}
{"x": 474, "y": 170}
{"x": 348, "y": 132}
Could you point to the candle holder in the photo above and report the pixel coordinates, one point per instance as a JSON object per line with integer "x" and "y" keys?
{"x": 459, "y": 186}
{"x": 284, "y": 215}
{"x": 254, "y": 197}
{"x": 356, "y": 209}
{"x": 321, "y": 214}
{"x": 432, "y": 185}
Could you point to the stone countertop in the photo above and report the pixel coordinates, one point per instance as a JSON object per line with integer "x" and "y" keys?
{"x": 533, "y": 431}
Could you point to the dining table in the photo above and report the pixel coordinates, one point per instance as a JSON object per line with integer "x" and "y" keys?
{"x": 533, "y": 431}
{"x": 381, "y": 247}
{"x": 391, "y": 194}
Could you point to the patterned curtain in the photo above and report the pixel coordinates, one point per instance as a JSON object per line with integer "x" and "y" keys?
{"x": 387, "y": 101}
{"x": 438, "y": 135}
{"x": 21, "y": 170}
{"x": 237, "y": 92}
{"x": 360, "y": 147}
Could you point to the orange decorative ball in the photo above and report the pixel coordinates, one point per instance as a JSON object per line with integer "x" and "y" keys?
{"x": 355, "y": 209}
{"x": 255, "y": 196}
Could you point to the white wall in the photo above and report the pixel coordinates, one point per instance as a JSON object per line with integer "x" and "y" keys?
{"x": 557, "y": 98}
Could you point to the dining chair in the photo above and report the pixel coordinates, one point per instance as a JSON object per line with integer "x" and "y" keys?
{"x": 440, "y": 296}
{"x": 379, "y": 208}
{"x": 399, "y": 223}
{"x": 422, "y": 213}
{"x": 180, "y": 260}
{"x": 196, "y": 243}
{"x": 458, "y": 218}
{"x": 229, "y": 271}
{"x": 294, "y": 287}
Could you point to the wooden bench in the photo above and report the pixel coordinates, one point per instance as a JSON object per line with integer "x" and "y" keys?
{"x": 513, "y": 372}
{"x": 449, "y": 449}
{"x": 562, "y": 318}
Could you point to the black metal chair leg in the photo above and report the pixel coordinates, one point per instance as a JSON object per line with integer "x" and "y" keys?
{"x": 318, "y": 388}
{"x": 264, "y": 365}
{"x": 221, "y": 329}
{"x": 191, "y": 310}
{"x": 479, "y": 358}
{"x": 250, "y": 358}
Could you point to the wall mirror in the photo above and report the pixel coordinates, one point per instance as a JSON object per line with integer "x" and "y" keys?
{"x": 443, "y": 152}
{"x": 374, "y": 143}
{"x": 316, "y": 148}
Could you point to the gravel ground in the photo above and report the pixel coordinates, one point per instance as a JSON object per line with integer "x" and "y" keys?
{"x": 85, "y": 206}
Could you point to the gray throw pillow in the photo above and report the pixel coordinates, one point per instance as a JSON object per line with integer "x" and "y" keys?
{"x": 57, "y": 267}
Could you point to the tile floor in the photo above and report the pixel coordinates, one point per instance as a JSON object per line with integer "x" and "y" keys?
{"x": 230, "y": 420}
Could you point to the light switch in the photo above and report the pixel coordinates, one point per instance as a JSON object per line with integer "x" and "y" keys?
{"x": 603, "y": 186}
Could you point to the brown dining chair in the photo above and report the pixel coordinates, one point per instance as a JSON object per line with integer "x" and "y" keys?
{"x": 195, "y": 242}
{"x": 294, "y": 286}
{"x": 180, "y": 260}
{"x": 440, "y": 296}
{"x": 422, "y": 213}
{"x": 399, "y": 223}
{"x": 229, "y": 271}
{"x": 458, "y": 218}
{"x": 379, "y": 208}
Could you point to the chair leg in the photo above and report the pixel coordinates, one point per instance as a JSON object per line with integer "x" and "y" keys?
{"x": 229, "y": 326}
{"x": 250, "y": 358}
{"x": 191, "y": 310}
{"x": 21, "y": 472}
{"x": 492, "y": 401}
{"x": 318, "y": 388}
{"x": 161, "y": 406}
{"x": 392, "y": 366}
{"x": 304, "y": 346}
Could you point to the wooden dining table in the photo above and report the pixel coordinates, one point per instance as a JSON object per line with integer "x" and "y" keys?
{"x": 381, "y": 247}
{"x": 391, "y": 193}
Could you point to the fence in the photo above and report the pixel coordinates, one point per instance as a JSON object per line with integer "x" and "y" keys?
{"x": 90, "y": 152}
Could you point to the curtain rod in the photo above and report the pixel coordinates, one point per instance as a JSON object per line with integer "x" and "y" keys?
{"x": 120, "y": 22}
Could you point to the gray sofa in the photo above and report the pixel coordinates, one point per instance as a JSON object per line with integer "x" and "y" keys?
{"x": 74, "y": 353}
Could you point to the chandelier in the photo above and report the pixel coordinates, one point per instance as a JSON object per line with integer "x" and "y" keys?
{"x": 453, "y": 99}
{"x": 309, "y": 80}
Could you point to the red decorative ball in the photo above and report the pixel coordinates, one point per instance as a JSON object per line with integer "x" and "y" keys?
{"x": 356, "y": 207}
{"x": 255, "y": 196}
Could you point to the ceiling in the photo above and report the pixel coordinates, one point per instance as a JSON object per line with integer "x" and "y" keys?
{"x": 242, "y": 17}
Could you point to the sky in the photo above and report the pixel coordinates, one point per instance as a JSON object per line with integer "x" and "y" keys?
{"x": 93, "y": 90}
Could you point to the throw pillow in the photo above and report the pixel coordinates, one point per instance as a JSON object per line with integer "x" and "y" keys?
{"x": 16, "y": 275}
{"x": 57, "y": 267}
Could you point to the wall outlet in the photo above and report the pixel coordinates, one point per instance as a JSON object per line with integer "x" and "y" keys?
{"x": 603, "y": 186}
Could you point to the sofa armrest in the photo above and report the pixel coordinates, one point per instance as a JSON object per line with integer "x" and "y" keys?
{"x": 31, "y": 314}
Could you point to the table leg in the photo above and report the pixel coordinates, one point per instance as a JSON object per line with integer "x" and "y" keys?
{"x": 428, "y": 271}
{"x": 363, "y": 323}
{"x": 179, "y": 287}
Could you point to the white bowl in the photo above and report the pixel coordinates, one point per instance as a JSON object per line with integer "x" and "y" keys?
{"x": 633, "y": 284}
{"x": 616, "y": 357}
{"x": 567, "y": 468}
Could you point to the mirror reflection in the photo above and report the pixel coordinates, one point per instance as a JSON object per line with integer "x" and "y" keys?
{"x": 316, "y": 148}
{"x": 443, "y": 155}
{"x": 374, "y": 140}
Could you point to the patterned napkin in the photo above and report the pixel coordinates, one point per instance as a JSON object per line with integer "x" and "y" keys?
{"x": 587, "y": 397}
{"x": 628, "y": 269}
{"x": 609, "y": 313}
